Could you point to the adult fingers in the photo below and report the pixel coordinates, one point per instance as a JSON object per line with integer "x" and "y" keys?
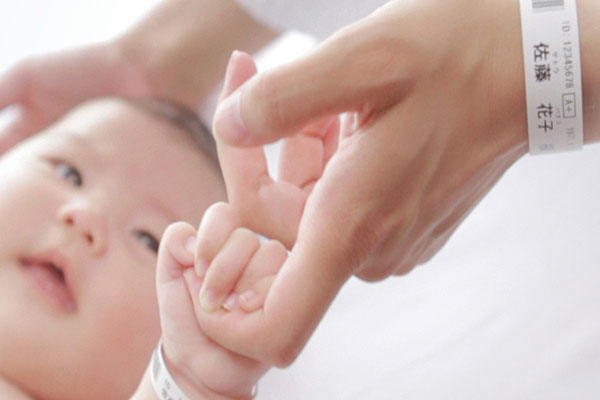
{"x": 319, "y": 264}
{"x": 13, "y": 132}
{"x": 243, "y": 169}
{"x": 303, "y": 157}
{"x": 264, "y": 206}
{"x": 13, "y": 85}
{"x": 352, "y": 71}
{"x": 20, "y": 124}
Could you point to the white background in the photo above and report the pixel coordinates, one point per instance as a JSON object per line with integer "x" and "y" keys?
{"x": 510, "y": 309}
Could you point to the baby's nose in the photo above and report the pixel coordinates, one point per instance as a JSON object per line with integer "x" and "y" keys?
{"x": 88, "y": 223}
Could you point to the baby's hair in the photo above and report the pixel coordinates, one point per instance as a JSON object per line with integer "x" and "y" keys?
{"x": 185, "y": 119}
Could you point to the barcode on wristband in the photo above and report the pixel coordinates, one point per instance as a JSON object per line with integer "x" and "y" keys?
{"x": 548, "y": 5}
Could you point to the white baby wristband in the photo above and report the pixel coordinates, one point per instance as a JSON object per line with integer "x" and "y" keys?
{"x": 163, "y": 383}
{"x": 552, "y": 75}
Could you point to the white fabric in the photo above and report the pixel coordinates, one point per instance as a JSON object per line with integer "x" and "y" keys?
{"x": 316, "y": 17}
{"x": 510, "y": 308}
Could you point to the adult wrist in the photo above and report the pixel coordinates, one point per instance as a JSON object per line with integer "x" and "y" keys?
{"x": 508, "y": 77}
{"x": 181, "y": 48}
{"x": 127, "y": 76}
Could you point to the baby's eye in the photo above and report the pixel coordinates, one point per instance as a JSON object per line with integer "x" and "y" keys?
{"x": 69, "y": 173}
{"x": 147, "y": 239}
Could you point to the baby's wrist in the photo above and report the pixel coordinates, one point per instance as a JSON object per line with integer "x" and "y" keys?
{"x": 191, "y": 384}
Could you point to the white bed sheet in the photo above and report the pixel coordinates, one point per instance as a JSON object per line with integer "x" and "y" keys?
{"x": 510, "y": 308}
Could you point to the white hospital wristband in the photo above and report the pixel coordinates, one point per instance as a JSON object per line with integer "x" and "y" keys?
{"x": 163, "y": 383}
{"x": 552, "y": 75}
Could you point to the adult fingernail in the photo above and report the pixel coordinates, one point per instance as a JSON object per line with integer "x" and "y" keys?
{"x": 229, "y": 125}
{"x": 231, "y": 302}
{"x": 209, "y": 301}
{"x": 201, "y": 267}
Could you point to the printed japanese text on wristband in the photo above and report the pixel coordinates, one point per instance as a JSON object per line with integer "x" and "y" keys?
{"x": 552, "y": 75}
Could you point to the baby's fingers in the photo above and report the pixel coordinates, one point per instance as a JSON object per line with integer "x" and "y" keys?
{"x": 174, "y": 264}
{"x": 227, "y": 268}
{"x": 218, "y": 222}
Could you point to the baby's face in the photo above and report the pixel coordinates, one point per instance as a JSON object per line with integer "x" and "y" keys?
{"x": 82, "y": 207}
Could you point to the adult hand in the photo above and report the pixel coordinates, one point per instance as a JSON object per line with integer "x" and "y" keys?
{"x": 434, "y": 92}
{"x": 435, "y": 96}
{"x": 171, "y": 54}
{"x": 46, "y": 86}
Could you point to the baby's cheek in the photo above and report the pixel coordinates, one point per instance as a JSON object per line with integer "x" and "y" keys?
{"x": 124, "y": 314}
{"x": 132, "y": 308}
{"x": 25, "y": 207}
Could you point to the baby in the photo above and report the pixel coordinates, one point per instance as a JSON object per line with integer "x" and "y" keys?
{"x": 83, "y": 207}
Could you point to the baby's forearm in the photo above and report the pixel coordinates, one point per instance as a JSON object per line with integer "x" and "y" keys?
{"x": 182, "y": 46}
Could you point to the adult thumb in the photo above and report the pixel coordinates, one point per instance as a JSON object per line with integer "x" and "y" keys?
{"x": 279, "y": 102}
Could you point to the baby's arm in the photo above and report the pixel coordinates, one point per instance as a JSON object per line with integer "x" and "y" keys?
{"x": 243, "y": 270}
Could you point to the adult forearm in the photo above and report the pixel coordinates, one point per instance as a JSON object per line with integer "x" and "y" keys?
{"x": 182, "y": 46}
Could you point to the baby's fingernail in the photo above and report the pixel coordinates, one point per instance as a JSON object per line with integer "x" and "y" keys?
{"x": 231, "y": 302}
{"x": 248, "y": 296}
{"x": 229, "y": 125}
{"x": 190, "y": 245}
{"x": 201, "y": 267}
{"x": 209, "y": 301}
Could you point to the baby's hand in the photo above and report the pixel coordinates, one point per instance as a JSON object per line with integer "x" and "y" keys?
{"x": 234, "y": 264}
{"x": 252, "y": 321}
{"x": 241, "y": 272}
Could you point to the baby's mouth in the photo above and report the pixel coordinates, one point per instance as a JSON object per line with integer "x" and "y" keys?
{"x": 47, "y": 273}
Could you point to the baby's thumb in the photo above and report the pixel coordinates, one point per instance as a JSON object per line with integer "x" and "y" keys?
{"x": 176, "y": 252}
